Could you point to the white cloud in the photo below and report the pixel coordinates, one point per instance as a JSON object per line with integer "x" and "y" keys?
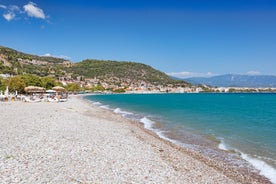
{"x": 33, "y": 11}
{"x": 253, "y": 73}
{"x": 60, "y": 56}
{"x": 10, "y": 12}
{"x": 64, "y": 57}
{"x": 190, "y": 74}
{"x": 14, "y": 8}
{"x": 9, "y": 16}
{"x": 3, "y": 6}
{"x": 47, "y": 55}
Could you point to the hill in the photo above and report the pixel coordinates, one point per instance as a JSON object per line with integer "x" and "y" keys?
{"x": 235, "y": 80}
{"x": 115, "y": 72}
{"x": 15, "y": 62}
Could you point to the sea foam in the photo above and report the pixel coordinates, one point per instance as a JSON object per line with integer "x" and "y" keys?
{"x": 97, "y": 103}
{"x": 105, "y": 107}
{"x": 222, "y": 145}
{"x": 148, "y": 124}
{"x": 120, "y": 111}
{"x": 265, "y": 169}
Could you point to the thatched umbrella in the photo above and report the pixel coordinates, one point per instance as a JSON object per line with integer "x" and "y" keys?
{"x": 59, "y": 89}
{"x": 34, "y": 89}
{"x": 50, "y": 91}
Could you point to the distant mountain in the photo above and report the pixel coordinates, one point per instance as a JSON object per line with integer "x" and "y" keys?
{"x": 235, "y": 80}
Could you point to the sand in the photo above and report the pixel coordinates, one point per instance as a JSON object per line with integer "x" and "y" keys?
{"x": 76, "y": 142}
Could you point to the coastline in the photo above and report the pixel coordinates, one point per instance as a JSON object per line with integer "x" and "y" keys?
{"x": 231, "y": 162}
{"x": 77, "y": 141}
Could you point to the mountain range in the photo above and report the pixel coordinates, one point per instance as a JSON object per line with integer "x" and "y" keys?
{"x": 16, "y": 62}
{"x": 236, "y": 80}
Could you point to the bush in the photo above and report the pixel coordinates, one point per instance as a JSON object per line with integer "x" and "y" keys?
{"x": 120, "y": 90}
{"x": 16, "y": 84}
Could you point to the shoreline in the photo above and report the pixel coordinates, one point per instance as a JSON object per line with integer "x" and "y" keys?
{"x": 77, "y": 141}
{"x": 215, "y": 147}
{"x": 234, "y": 172}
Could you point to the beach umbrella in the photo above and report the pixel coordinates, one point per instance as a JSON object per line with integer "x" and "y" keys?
{"x": 34, "y": 89}
{"x": 59, "y": 89}
{"x": 50, "y": 91}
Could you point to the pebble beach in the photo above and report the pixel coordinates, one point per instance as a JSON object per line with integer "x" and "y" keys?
{"x": 77, "y": 142}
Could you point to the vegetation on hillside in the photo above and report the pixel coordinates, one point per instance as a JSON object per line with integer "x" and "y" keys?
{"x": 120, "y": 71}
{"x": 112, "y": 72}
{"x": 13, "y": 54}
{"x": 16, "y": 63}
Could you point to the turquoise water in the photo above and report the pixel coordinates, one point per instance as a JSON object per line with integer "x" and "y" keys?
{"x": 245, "y": 123}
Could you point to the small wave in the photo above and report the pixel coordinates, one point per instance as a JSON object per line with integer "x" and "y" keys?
{"x": 119, "y": 111}
{"x": 105, "y": 107}
{"x": 162, "y": 135}
{"x": 266, "y": 158}
{"x": 222, "y": 146}
{"x": 97, "y": 103}
{"x": 265, "y": 169}
{"x": 148, "y": 124}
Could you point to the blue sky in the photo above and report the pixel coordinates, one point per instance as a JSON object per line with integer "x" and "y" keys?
{"x": 183, "y": 38}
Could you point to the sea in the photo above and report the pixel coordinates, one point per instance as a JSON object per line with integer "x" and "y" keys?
{"x": 243, "y": 124}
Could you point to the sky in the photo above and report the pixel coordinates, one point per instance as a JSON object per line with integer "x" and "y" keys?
{"x": 183, "y": 38}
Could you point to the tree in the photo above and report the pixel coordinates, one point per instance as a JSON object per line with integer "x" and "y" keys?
{"x": 74, "y": 87}
{"x": 2, "y": 84}
{"x": 119, "y": 90}
{"x": 31, "y": 80}
{"x": 57, "y": 83}
{"x": 48, "y": 82}
{"x": 16, "y": 84}
{"x": 98, "y": 88}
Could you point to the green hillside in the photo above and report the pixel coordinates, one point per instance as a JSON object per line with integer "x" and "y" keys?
{"x": 120, "y": 71}
{"x": 15, "y": 63}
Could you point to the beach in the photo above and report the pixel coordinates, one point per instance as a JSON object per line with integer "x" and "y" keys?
{"x": 77, "y": 142}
